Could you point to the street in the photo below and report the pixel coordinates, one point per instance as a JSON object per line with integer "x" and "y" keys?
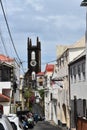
{"x": 43, "y": 125}
{"x": 36, "y": 108}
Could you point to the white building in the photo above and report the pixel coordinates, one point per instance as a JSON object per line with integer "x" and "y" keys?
{"x": 21, "y": 91}
{"x": 9, "y": 82}
{"x": 78, "y": 88}
{"x": 48, "y": 91}
{"x": 40, "y": 80}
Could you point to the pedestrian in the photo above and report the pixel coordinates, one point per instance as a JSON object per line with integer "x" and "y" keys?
{"x": 36, "y": 117}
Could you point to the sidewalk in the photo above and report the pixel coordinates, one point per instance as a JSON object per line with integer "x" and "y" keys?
{"x": 60, "y": 127}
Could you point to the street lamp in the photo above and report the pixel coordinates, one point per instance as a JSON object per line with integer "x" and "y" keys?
{"x": 84, "y": 4}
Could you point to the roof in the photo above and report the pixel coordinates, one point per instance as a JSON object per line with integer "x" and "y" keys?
{"x": 83, "y": 54}
{"x": 49, "y": 67}
{"x": 5, "y": 58}
{"x": 4, "y": 98}
{"x": 80, "y": 43}
{"x": 40, "y": 74}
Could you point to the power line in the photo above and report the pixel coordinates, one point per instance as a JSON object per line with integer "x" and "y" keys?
{"x": 50, "y": 61}
{"x": 3, "y": 42}
{"x": 10, "y": 34}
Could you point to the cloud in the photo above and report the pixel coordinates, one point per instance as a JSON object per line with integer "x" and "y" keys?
{"x": 55, "y": 22}
{"x": 36, "y": 4}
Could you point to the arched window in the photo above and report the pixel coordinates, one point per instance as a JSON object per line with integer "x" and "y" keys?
{"x": 32, "y": 55}
{"x": 33, "y": 75}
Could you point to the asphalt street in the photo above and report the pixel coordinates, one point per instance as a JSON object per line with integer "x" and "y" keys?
{"x": 43, "y": 125}
{"x": 37, "y": 109}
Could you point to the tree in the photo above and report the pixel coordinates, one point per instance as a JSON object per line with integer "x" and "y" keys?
{"x": 41, "y": 92}
{"x": 29, "y": 96}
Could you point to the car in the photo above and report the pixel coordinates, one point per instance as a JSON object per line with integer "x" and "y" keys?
{"x": 13, "y": 126}
{"x": 5, "y": 123}
{"x": 14, "y": 119}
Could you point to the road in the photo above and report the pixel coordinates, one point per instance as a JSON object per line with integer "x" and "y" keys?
{"x": 37, "y": 109}
{"x": 43, "y": 125}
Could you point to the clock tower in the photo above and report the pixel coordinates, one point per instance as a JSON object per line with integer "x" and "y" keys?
{"x": 34, "y": 59}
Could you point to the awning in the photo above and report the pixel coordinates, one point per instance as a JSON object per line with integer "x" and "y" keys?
{"x": 4, "y": 98}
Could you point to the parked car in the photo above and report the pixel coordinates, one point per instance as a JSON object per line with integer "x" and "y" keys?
{"x": 14, "y": 119}
{"x": 13, "y": 126}
{"x": 5, "y": 123}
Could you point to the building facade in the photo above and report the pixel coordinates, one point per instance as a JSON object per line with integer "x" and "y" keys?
{"x": 48, "y": 91}
{"x": 9, "y": 83}
{"x": 57, "y": 85}
{"x": 78, "y": 88}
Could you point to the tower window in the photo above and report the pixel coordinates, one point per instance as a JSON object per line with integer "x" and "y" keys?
{"x": 32, "y": 55}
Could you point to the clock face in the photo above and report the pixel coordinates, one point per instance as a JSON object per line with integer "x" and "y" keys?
{"x": 33, "y": 63}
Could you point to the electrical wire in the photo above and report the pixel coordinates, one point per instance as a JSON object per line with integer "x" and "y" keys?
{"x": 10, "y": 35}
{"x": 2, "y": 39}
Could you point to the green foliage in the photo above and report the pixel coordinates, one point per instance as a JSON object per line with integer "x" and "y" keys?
{"x": 41, "y": 92}
{"x": 29, "y": 96}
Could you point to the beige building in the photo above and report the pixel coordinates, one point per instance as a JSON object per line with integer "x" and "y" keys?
{"x": 63, "y": 59}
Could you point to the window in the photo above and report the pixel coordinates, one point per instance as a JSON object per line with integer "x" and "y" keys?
{"x": 32, "y": 55}
{"x": 40, "y": 83}
{"x": 74, "y": 73}
{"x": 62, "y": 60}
{"x": 51, "y": 96}
{"x": 66, "y": 56}
{"x": 5, "y": 73}
{"x": 33, "y": 75}
{"x": 71, "y": 72}
{"x": 83, "y": 70}
{"x": 46, "y": 94}
{"x": 46, "y": 81}
{"x": 79, "y": 72}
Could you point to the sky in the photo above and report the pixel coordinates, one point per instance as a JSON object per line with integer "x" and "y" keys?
{"x": 55, "y": 22}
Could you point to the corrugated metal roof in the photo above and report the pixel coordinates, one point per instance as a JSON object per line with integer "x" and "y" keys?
{"x": 5, "y": 58}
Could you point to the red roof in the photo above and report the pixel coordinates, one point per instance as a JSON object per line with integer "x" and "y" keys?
{"x": 5, "y": 58}
{"x": 40, "y": 74}
{"x": 4, "y": 98}
{"x": 49, "y": 67}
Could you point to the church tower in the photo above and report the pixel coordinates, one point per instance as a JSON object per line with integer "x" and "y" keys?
{"x": 34, "y": 58}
